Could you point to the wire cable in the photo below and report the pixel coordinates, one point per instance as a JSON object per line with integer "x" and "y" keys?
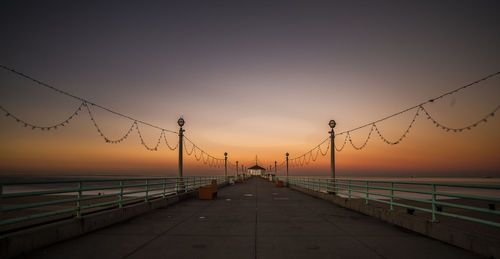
{"x": 301, "y": 160}
{"x": 40, "y": 83}
{"x": 428, "y": 101}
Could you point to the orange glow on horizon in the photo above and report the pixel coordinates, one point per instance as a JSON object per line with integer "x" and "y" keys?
{"x": 78, "y": 148}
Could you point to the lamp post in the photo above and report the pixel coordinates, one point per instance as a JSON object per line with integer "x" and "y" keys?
{"x": 332, "y": 125}
{"x": 287, "y": 168}
{"x": 275, "y": 171}
{"x": 237, "y": 174}
{"x": 180, "y": 183}
{"x": 225, "y": 165}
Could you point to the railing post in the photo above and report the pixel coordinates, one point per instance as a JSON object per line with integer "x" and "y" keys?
{"x": 180, "y": 122}
{"x": 392, "y": 196}
{"x": 237, "y": 173}
{"x": 147, "y": 191}
{"x": 78, "y": 202}
{"x": 367, "y": 195}
{"x": 164, "y": 187}
{"x": 287, "y": 168}
{"x": 434, "y": 203}
{"x": 327, "y": 183}
{"x": 120, "y": 204}
{"x": 1, "y": 193}
{"x": 349, "y": 188}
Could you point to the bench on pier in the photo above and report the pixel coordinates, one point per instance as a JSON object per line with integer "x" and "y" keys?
{"x": 279, "y": 183}
{"x": 208, "y": 192}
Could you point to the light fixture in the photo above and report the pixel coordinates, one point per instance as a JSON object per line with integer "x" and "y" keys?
{"x": 332, "y": 124}
{"x": 180, "y": 121}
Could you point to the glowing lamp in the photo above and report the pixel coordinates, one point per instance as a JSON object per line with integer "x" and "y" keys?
{"x": 180, "y": 121}
{"x": 332, "y": 124}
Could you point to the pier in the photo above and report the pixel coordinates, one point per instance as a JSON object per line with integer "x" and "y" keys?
{"x": 250, "y": 129}
{"x": 252, "y": 220}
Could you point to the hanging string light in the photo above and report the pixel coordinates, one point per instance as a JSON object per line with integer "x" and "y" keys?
{"x": 204, "y": 157}
{"x": 85, "y": 103}
{"x": 468, "y": 127}
{"x": 305, "y": 158}
{"x": 343, "y": 145}
{"x": 34, "y": 126}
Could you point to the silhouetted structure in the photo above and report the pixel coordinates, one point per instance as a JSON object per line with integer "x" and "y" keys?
{"x": 256, "y": 170}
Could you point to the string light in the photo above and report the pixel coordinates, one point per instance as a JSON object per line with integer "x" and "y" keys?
{"x": 326, "y": 151}
{"x": 155, "y": 148}
{"x": 33, "y": 126}
{"x": 404, "y": 134}
{"x": 210, "y": 160}
{"x": 205, "y": 157}
{"x": 366, "y": 141}
{"x": 343, "y": 145}
{"x": 429, "y": 101}
{"x": 301, "y": 160}
{"x": 468, "y": 127}
{"x": 42, "y": 84}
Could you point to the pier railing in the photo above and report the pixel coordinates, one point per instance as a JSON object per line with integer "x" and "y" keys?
{"x": 470, "y": 202}
{"x": 33, "y": 202}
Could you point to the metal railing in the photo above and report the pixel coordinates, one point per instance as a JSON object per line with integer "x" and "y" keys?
{"x": 35, "y": 202}
{"x": 470, "y": 202}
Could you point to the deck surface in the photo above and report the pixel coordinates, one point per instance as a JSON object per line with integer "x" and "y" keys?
{"x": 253, "y": 220}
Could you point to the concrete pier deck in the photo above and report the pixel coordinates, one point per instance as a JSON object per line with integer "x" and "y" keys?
{"x": 253, "y": 220}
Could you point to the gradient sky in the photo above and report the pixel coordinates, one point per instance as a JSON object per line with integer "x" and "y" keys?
{"x": 251, "y": 78}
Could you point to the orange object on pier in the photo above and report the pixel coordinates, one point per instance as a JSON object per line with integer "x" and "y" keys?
{"x": 208, "y": 192}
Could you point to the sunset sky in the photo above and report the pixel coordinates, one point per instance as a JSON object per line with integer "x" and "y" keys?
{"x": 250, "y": 78}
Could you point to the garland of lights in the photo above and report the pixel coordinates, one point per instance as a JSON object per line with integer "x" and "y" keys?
{"x": 210, "y": 160}
{"x": 203, "y": 156}
{"x": 306, "y": 157}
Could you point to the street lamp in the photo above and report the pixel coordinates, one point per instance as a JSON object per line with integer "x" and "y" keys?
{"x": 332, "y": 125}
{"x": 225, "y": 165}
{"x": 180, "y": 184}
{"x": 287, "y": 168}
{"x": 180, "y": 122}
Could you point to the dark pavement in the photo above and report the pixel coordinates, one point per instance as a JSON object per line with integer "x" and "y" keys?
{"x": 253, "y": 220}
